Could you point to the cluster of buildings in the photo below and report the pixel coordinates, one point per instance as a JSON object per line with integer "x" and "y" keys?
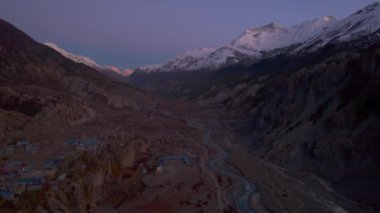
{"x": 22, "y": 146}
{"x": 85, "y": 144}
{"x": 12, "y": 169}
{"x": 18, "y": 177}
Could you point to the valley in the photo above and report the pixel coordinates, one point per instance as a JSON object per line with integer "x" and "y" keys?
{"x": 224, "y": 176}
{"x": 282, "y": 119}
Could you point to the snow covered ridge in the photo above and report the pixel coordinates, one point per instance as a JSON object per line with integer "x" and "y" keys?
{"x": 87, "y": 61}
{"x": 273, "y": 36}
{"x": 76, "y": 58}
{"x": 362, "y": 23}
{"x": 249, "y": 44}
{"x": 254, "y": 42}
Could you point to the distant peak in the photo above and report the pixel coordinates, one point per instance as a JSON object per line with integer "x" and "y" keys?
{"x": 268, "y": 27}
{"x": 271, "y": 25}
{"x": 125, "y": 72}
{"x": 329, "y": 18}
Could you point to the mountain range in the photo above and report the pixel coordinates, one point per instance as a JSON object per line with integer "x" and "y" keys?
{"x": 304, "y": 96}
{"x": 260, "y": 42}
{"x": 279, "y": 120}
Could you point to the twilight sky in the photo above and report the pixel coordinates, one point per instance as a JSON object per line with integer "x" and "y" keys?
{"x": 131, "y": 33}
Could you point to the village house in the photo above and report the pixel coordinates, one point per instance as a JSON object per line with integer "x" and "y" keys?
{"x": 11, "y": 169}
{"x": 21, "y": 143}
{"x": 31, "y": 181}
{"x": 7, "y": 195}
{"x": 33, "y": 187}
{"x": 32, "y": 148}
{"x": 29, "y": 184}
{"x": 72, "y": 142}
{"x": 89, "y": 145}
{"x": 61, "y": 177}
{"x": 52, "y": 164}
{"x": 48, "y": 173}
{"x": 18, "y": 167}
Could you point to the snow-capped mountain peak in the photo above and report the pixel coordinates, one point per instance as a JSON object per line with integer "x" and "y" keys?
{"x": 272, "y": 36}
{"x": 271, "y": 39}
{"x": 259, "y": 38}
{"x": 361, "y": 23}
{"x": 249, "y": 44}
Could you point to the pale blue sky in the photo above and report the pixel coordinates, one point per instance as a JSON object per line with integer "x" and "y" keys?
{"x": 130, "y": 33}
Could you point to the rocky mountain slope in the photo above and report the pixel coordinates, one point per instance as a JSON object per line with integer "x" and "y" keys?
{"x": 315, "y": 111}
{"x": 38, "y": 85}
{"x": 95, "y": 141}
{"x": 322, "y": 117}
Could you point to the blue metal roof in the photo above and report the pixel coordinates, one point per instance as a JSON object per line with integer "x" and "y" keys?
{"x": 163, "y": 160}
{"x": 6, "y": 194}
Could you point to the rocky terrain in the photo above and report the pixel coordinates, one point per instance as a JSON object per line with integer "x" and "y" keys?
{"x": 75, "y": 140}
{"x": 322, "y": 118}
{"x": 315, "y": 111}
{"x": 292, "y": 131}
{"x": 38, "y": 84}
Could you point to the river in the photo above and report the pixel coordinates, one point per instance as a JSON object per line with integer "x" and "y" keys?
{"x": 240, "y": 195}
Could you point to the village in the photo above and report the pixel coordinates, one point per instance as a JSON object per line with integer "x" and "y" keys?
{"x": 83, "y": 168}
{"x": 20, "y": 173}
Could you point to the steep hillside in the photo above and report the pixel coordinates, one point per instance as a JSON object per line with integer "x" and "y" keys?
{"x": 318, "y": 114}
{"x": 361, "y": 23}
{"x": 37, "y": 84}
{"x": 312, "y": 107}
